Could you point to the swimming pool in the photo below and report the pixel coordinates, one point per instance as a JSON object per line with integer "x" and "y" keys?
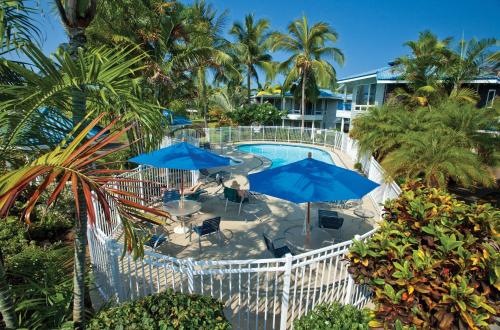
{"x": 282, "y": 154}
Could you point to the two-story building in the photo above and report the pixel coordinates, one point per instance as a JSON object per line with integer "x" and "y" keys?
{"x": 327, "y": 112}
{"x": 372, "y": 88}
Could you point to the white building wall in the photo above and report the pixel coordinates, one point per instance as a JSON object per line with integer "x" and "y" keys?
{"x": 330, "y": 114}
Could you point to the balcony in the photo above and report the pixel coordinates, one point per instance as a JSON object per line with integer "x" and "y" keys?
{"x": 309, "y": 114}
{"x": 343, "y": 114}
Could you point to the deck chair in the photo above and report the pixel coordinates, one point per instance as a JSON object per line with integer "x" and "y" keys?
{"x": 171, "y": 195}
{"x": 207, "y": 228}
{"x": 330, "y": 220}
{"x": 231, "y": 195}
{"x": 276, "y": 252}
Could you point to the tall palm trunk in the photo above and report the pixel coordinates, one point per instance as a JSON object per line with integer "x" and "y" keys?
{"x": 77, "y": 41}
{"x": 303, "y": 101}
{"x": 249, "y": 82}
{"x": 6, "y": 303}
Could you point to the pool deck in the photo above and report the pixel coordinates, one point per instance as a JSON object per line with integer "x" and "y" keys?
{"x": 242, "y": 234}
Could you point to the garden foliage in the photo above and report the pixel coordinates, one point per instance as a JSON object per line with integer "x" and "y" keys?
{"x": 166, "y": 310}
{"x": 334, "y": 317}
{"x": 434, "y": 263}
{"x": 263, "y": 114}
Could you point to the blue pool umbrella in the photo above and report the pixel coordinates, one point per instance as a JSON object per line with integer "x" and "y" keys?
{"x": 311, "y": 180}
{"x": 182, "y": 156}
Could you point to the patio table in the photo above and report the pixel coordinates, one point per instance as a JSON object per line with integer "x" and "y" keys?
{"x": 364, "y": 213}
{"x": 317, "y": 238}
{"x": 182, "y": 210}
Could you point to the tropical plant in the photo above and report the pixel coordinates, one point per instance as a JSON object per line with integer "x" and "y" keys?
{"x": 433, "y": 263}
{"x": 334, "y": 317}
{"x": 166, "y": 310}
{"x": 76, "y": 161}
{"x": 471, "y": 60}
{"x": 436, "y": 157}
{"x": 205, "y": 28}
{"x": 452, "y": 143}
{"x": 252, "y": 47}
{"x": 425, "y": 68}
{"x": 308, "y": 46}
{"x": 256, "y": 113}
{"x": 16, "y": 25}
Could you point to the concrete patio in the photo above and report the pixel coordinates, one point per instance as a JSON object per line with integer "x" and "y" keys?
{"x": 242, "y": 234}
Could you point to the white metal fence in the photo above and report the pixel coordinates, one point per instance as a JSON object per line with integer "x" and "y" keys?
{"x": 257, "y": 293}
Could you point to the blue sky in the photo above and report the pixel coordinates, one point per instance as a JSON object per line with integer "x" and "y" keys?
{"x": 372, "y": 32}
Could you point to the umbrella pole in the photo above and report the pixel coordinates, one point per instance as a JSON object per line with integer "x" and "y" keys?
{"x": 308, "y": 217}
{"x": 182, "y": 187}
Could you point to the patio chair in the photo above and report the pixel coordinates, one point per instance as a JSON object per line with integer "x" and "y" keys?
{"x": 232, "y": 195}
{"x": 330, "y": 220}
{"x": 276, "y": 252}
{"x": 171, "y": 195}
{"x": 208, "y": 227}
{"x": 155, "y": 241}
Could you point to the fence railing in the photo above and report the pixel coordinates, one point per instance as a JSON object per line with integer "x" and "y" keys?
{"x": 257, "y": 293}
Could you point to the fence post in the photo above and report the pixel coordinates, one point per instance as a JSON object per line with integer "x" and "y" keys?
{"x": 190, "y": 275}
{"x": 116, "y": 282}
{"x": 350, "y": 282}
{"x": 229, "y": 135}
{"x": 239, "y": 133}
{"x": 286, "y": 290}
{"x": 251, "y": 133}
{"x": 288, "y": 134}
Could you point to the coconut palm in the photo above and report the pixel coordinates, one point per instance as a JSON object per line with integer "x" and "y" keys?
{"x": 252, "y": 47}
{"x": 16, "y": 25}
{"x": 205, "y": 28}
{"x": 309, "y": 47}
{"x": 425, "y": 67}
{"x": 437, "y": 157}
{"x": 471, "y": 61}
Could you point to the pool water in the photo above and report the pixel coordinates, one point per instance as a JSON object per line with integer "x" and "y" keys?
{"x": 282, "y": 154}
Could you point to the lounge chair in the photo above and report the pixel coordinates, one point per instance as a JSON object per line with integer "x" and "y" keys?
{"x": 276, "y": 252}
{"x": 330, "y": 220}
{"x": 156, "y": 239}
{"x": 208, "y": 227}
{"x": 232, "y": 195}
{"x": 194, "y": 192}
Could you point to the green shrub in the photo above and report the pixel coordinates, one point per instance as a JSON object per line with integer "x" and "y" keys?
{"x": 166, "y": 310}
{"x": 12, "y": 236}
{"x": 358, "y": 167}
{"x": 333, "y": 317}
{"x": 434, "y": 262}
{"x": 264, "y": 114}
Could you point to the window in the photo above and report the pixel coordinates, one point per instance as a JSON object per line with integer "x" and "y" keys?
{"x": 362, "y": 94}
{"x": 365, "y": 94}
{"x": 490, "y": 98}
{"x": 371, "y": 99}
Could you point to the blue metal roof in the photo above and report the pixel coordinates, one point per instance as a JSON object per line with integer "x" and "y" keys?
{"x": 396, "y": 72}
{"x": 322, "y": 93}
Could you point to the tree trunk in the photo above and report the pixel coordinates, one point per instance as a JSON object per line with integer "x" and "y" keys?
{"x": 303, "y": 102}
{"x": 6, "y": 302}
{"x": 79, "y": 267}
{"x": 249, "y": 82}
{"x": 77, "y": 40}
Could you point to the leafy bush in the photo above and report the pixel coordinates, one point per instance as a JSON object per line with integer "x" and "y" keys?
{"x": 264, "y": 114}
{"x": 434, "y": 262}
{"x": 358, "y": 167}
{"x": 12, "y": 236}
{"x": 165, "y": 310}
{"x": 334, "y": 317}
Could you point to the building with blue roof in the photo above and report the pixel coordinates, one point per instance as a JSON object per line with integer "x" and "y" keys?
{"x": 319, "y": 114}
{"x": 372, "y": 88}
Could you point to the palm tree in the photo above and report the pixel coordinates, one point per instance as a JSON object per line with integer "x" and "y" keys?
{"x": 252, "y": 46}
{"x": 471, "y": 61}
{"x": 205, "y": 28}
{"x": 425, "y": 68}
{"x": 309, "y": 47}
{"x": 382, "y": 129}
{"x": 437, "y": 156}
{"x": 16, "y": 25}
